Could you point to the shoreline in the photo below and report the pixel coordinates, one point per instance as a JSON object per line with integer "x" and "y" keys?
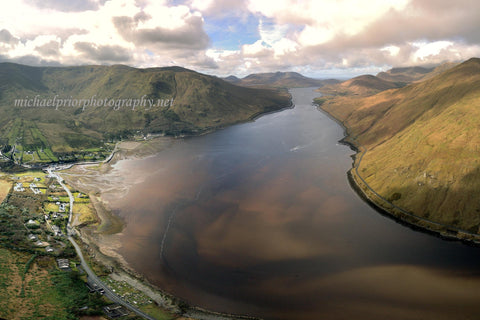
{"x": 399, "y": 215}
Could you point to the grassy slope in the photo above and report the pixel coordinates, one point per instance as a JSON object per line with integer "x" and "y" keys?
{"x": 201, "y": 103}
{"x": 423, "y": 144}
{"x": 5, "y": 187}
{"x": 34, "y": 289}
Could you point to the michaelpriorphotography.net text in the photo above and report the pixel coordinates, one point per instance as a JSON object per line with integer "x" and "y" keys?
{"x": 58, "y": 102}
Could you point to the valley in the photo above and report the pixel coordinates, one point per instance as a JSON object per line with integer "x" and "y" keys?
{"x": 414, "y": 130}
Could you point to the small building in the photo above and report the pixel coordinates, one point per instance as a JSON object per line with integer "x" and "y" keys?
{"x": 115, "y": 311}
{"x": 62, "y": 207}
{"x": 90, "y": 288}
{"x": 49, "y": 249}
{"x": 56, "y": 231}
{"x": 32, "y": 237}
{"x": 39, "y": 243}
{"x": 63, "y": 264}
{"x": 32, "y": 222}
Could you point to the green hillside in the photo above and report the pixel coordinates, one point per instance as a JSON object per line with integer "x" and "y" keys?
{"x": 83, "y": 125}
{"x": 422, "y": 146}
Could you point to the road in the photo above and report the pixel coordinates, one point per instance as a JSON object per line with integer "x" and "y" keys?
{"x": 92, "y": 278}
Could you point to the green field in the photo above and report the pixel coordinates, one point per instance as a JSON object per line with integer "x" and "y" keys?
{"x": 28, "y": 140}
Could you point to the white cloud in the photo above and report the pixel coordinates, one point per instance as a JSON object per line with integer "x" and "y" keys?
{"x": 323, "y": 20}
{"x": 393, "y": 50}
{"x": 97, "y": 39}
{"x": 254, "y": 49}
{"x": 430, "y": 49}
{"x": 308, "y": 35}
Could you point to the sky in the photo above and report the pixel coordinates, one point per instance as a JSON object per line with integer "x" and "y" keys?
{"x": 318, "y": 38}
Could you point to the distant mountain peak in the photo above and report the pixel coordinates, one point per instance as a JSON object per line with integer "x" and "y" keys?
{"x": 279, "y": 79}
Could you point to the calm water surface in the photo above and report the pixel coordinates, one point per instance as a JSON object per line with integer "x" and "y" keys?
{"x": 259, "y": 219}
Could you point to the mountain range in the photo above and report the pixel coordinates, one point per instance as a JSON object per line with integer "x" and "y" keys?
{"x": 366, "y": 85}
{"x": 279, "y": 80}
{"x": 189, "y": 103}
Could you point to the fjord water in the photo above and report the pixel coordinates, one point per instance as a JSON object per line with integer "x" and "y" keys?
{"x": 259, "y": 219}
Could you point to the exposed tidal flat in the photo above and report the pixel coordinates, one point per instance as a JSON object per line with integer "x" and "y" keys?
{"x": 259, "y": 219}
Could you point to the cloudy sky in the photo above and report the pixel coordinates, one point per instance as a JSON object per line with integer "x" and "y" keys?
{"x": 319, "y": 38}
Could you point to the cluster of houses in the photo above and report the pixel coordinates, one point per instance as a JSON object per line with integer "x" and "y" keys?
{"x": 18, "y": 187}
{"x": 49, "y": 217}
{"x": 33, "y": 224}
{"x": 57, "y": 232}
{"x": 39, "y": 243}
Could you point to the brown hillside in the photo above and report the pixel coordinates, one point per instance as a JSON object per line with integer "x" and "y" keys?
{"x": 423, "y": 144}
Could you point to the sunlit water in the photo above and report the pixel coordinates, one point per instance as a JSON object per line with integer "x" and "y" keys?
{"x": 259, "y": 219}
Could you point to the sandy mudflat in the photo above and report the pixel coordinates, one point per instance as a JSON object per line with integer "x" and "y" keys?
{"x": 103, "y": 185}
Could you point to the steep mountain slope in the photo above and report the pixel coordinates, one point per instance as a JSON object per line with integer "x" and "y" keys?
{"x": 422, "y": 144}
{"x": 279, "y": 80}
{"x": 200, "y": 103}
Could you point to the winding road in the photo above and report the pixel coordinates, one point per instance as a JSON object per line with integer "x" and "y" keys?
{"x": 92, "y": 278}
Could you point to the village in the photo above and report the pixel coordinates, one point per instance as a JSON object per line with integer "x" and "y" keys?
{"x": 36, "y": 210}
{"x": 46, "y": 222}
